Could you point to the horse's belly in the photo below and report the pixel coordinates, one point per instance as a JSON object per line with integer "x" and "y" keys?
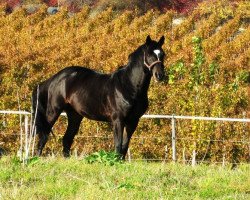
{"x": 92, "y": 111}
{"x": 95, "y": 116}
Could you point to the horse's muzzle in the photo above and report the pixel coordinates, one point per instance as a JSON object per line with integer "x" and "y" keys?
{"x": 159, "y": 76}
{"x": 158, "y": 73}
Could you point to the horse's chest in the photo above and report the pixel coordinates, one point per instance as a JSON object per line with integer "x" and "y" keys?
{"x": 139, "y": 107}
{"x": 132, "y": 107}
{"x": 126, "y": 105}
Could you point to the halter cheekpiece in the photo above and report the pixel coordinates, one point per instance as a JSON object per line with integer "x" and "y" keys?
{"x": 152, "y": 64}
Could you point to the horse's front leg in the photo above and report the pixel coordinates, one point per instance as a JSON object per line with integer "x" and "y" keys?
{"x": 128, "y": 132}
{"x": 118, "y": 125}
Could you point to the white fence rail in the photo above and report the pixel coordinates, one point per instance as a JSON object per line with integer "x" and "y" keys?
{"x": 155, "y": 116}
{"x": 171, "y": 117}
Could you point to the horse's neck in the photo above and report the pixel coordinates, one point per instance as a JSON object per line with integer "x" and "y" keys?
{"x": 139, "y": 78}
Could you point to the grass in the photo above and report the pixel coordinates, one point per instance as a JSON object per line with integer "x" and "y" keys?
{"x": 59, "y": 178}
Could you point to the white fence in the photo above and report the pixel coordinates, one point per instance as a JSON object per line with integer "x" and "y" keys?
{"x": 171, "y": 117}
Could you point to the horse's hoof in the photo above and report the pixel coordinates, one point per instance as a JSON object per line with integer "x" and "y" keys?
{"x": 66, "y": 154}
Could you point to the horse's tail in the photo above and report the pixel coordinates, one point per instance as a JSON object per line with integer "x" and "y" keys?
{"x": 36, "y": 104}
{"x": 36, "y": 108}
{"x": 39, "y": 105}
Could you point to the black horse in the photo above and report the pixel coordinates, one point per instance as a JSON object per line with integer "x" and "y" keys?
{"x": 120, "y": 97}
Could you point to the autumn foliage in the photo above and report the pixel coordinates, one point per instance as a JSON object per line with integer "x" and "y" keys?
{"x": 207, "y": 63}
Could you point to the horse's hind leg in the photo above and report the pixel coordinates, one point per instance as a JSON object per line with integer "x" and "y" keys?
{"x": 74, "y": 121}
{"x": 42, "y": 140}
{"x": 43, "y": 130}
{"x": 44, "y": 125}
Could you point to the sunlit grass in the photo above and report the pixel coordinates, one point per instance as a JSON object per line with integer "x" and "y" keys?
{"x": 59, "y": 178}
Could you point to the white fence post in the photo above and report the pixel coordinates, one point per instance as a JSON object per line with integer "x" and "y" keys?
{"x": 173, "y": 139}
{"x": 26, "y": 128}
{"x": 223, "y": 160}
{"x": 183, "y": 155}
{"x": 20, "y": 152}
{"x": 33, "y": 143}
{"x": 194, "y": 158}
{"x": 166, "y": 153}
{"x": 129, "y": 156}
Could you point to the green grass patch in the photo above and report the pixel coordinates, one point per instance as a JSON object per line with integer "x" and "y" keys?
{"x": 59, "y": 178}
{"x": 107, "y": 158}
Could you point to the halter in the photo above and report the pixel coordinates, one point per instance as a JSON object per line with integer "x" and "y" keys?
{"x": 152, "y": 64}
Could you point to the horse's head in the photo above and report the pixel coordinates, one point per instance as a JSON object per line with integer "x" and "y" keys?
{"x": 154, "y": 56}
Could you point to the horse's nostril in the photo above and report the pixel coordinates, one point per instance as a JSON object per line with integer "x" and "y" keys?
{"x": 159, "y": 76}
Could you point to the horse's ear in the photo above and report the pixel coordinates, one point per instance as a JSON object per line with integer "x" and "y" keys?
{"x": 161, "y": 41}
{"x": 148, "y": 40}
{"x": 130, "y": 57}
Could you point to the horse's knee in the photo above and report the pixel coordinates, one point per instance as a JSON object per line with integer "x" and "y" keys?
{"x": 52, "y": 116}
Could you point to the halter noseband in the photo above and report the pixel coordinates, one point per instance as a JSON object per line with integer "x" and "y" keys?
{"x": 152, "y": 64}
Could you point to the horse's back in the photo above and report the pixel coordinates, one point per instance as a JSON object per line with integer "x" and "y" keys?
{"x": 83, "y": 89}
{"x": 67, "y": 76}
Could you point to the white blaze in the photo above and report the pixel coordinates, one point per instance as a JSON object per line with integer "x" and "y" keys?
{"x": 157, "y": 52}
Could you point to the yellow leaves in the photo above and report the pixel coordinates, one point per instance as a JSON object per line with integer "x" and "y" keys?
{"x": 18, "y": 13}
{"x": 123, "y": 20}
{"x": 223, "y": 34}
{"x": 208, "y": 27}
{"x": 164, "y": 22}
{"x": 37, "y": 16}
{"x": 103, "y": 17}
{"x": 243, "y": 9}
{"x": 176, "y": 47}
{"x": 143, "y": 22}
{"x": 83, "y": 14}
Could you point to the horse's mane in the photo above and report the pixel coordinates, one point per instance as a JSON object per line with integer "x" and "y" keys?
{"x": 134, "y": 56}
{"x": 121, "y": 67}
